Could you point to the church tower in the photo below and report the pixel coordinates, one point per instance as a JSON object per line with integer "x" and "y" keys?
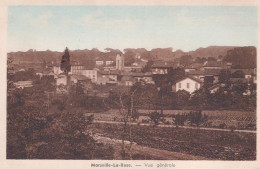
{"x": 120, "y": 62}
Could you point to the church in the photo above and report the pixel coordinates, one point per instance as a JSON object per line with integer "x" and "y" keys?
{"x": 120, "y": 65}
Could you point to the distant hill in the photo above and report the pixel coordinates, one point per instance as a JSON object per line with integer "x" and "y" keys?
{"x": 87, "y": 56}
{"x": 242, "y": 57}
{"x": 211, "y": 51}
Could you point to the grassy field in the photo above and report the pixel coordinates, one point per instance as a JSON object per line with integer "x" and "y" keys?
{"x": 216, "y": 145}
{"x": 216, "y": 119}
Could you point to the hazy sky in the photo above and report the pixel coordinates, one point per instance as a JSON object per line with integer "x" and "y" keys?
{"x": 87, "y": 27}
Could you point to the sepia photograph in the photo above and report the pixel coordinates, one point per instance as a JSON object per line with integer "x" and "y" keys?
{"x": 119, "y": 82}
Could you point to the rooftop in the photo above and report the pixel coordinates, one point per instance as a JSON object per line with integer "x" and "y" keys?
{"x": 161, "y": 64}
{"x": 211, "y": 64}
{"x": 192, "y": 78}
{"x": 80, "y": 77}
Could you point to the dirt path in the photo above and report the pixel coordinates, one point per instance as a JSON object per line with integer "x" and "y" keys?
{"x": 152, "y": 153}
{"x": 186, "y": 127}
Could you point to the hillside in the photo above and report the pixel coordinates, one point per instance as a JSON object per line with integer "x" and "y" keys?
{"x": 242, "y": 57}
{"x": 87, "y": 56}
{"x": 211, "y": 51}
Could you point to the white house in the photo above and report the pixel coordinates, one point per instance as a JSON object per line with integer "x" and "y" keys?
{"x": 56, "y": 70}
{"x": 99, "y": 62}
{"x": 189, "y": 84}
{"x": 23, "y": 84}
{"x": 161, "y": 68}
{"x": 61, "y": 80}
{"x": 109, "y": 62}
{"x": 84, "y": 70}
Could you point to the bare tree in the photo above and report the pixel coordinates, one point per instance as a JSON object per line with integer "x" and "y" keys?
{"x": 128, "y": 103}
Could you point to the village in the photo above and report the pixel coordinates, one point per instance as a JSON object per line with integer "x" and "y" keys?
{"x": 116, "y": 101}
{"x": 130, "y": 82}
{"x": 115, "y": 73}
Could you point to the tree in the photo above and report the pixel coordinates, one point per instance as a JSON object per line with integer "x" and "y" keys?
{"x": 35, "y": 133}
{"x": 201, "y": 99}
{"x": 186, "y": 60}
{"x": 238, "y": 74}
{"x": 239, "y": 87}
{"x": 243, "y": 57}
{"x": 65, "y": 62}
{"x": 182, "y": 99}
{"x": 179, "y": 119}
{"x": 224, "y": 76}
{"x": 148, "y": 66}
{"x": 127, "y": 102}
{"x": 222, "y": 98}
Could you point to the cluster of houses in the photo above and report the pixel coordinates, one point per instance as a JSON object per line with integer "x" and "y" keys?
{"x": 101, "y": 74}
{"x": 197, "y": 73}
{"x": 115, "y": 73}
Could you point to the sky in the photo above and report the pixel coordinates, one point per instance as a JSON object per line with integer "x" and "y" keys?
{"x": 119, "y": 27}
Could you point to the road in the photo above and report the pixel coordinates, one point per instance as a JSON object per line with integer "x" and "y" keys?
{"x": 185, "y": 127}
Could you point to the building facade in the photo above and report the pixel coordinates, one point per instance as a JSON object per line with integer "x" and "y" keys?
{"x": 188, "y": 84}
{"x": 120, "y": 62}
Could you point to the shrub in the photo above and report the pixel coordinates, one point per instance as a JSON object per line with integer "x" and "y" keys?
{"x": 232, "y": 128}
{"x": 145, "y": 121}
{"x": 179, "y": 119}
{"x": 222, "y": 126}
{"x": 197, "y": 118}
{"x": 156, "y": 117}
{"x": 251, "y": 126}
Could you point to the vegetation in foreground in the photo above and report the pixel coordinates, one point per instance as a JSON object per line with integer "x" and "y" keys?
{"x": 210, "y": 144}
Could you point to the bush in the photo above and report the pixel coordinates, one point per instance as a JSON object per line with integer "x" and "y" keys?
{"x": 208, "y": 124}
{"x": 222, "y": 126}
{"x": 156, "y": 117}
{"x": 179, "y": 119}
{"x": 145, "y": 121}
{"x": 167, "y": 123}
{"x": 251, "y": 126}
{"x": 197, "y": 118}
{"x": 232, "y": 128}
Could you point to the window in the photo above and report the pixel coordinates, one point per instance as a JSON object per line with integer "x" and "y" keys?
{"x": 188, "y": 85}
{"x": 196, "y": 85}
{"x": 179, "y": 85}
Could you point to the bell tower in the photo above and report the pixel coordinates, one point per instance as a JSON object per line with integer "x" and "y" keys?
{"x": 119, "y": 62}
